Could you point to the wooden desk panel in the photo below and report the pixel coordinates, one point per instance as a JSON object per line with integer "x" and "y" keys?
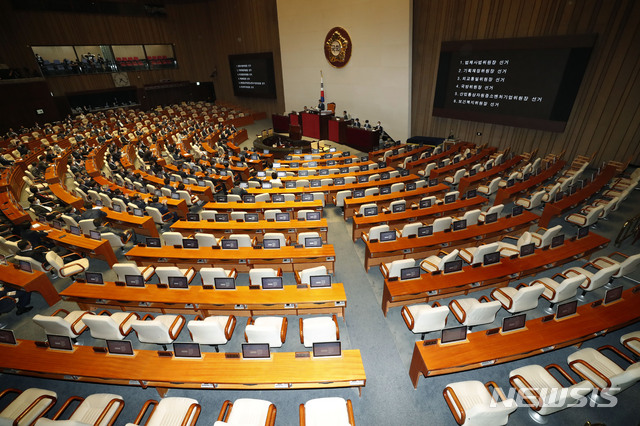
{"x": 470, "y": 182}
{"x": 213, "y": 371}
{"x": 141, "y": 225}
{"x": 30, "y": 281}
{"x": 254, "y": 229}
{"x": 260, "y": 207}
{"x": 419, "y": 248}
{"x": 451, "y": 169}
{"x": 505, "y": 194}
{"x": 195, "y": 300}
{"x": 362, "y": 224}
{"x": 352, "y": 205}
{"x": 80, "y": 244}
{"x": 65, "y": 196}
{"x": 289, "y": 258}
{"x": 538, "y": 337}
{"x": 415, "y": 166}
{"x": 431, "y": 287}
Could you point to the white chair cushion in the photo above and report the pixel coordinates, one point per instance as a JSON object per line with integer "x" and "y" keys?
{"x": 318, "y": 329}
{"x": 22, "y": 401}
{"x": 326, "y": 411}
{"x": 249, "y": 412}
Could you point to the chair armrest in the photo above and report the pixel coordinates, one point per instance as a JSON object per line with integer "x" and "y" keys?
{"x": 484, "y": 299}
{"x": 561, "y": 371}
{"x": 73, "y": 325}
{"x": 166, "y": 216}
{"x": 69, "y": 266}
{"x": 253, "y": 241}
{"x": 615, "y": 351}
{"x": 283, "y": 329}
{"x": 298, "y": 279}
{"x": 593, "y": 369}
{"x": 224, "y": 411}
{"x": 559, "y": 274}
{"x": 551, "y": 289}
{"x": 179, "y": 319}
{"x": 301, "y": 330}
{"x": 496, "y": 388}
{"x": 384, "y": 270}
{"x": 25, "y": 412}
{"x": 454, "y": 405}
{"x": 144, "y": 409}
{"x": 230, "y": 327}
{"x": 498, "y": 290}
{"x": 407, "y": 317}
{"x": 617, "y": 253}
{"x": 66, "y": 405}
{"x": 455, "y": 303}
{"x": 191, "y": 268}
{"x": 147, "y": 268}
{"x": 279, "y": 272}
{"x": 335, "y": 321}
{"x": 146, "y": 316}
{"x": 123, "y": 324}
{"x": 60, "y": 310}
{"x": 271, "y": 416}
{"x": 519, "y": 286}
{"x": 352, "y": 420}
{"x": 534, "y": 405}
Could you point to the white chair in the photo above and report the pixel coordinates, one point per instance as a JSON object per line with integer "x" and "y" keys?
{"x": 247, "y": 412}
{"x": 206, "y": 240}
{"x": 161, "y": 330}
{"x": 271, "y": 330}
{"x": 302, "y": 214}
{"x": 455, "y": 179}
{"x": 71, "y": 325}
{"x": 585, "y": 220}
{"x": 607, "y": 376}
{"x": 327, "y": 411}
{"x": 519, "y": 299}
{"x": 28, "y": 406}
{"x": 491, "y": 188}
{"x": 165, "y": 272}
{"x": 363, "y": 207}
{"x": 544, "y": 239}
{"x": 371, "y": 191}
{"x": 10, "y": 247}
{"x": 473, "y": 255}
{"x": 592, "y": 280}
{"x": 427, "y": 170}
{"x": 303, "y": 276}
{"x": 472, "y": 404}
{"x": 533, "y": 202}
{"x": 303, "y": 235}
{"x": 214, "y": 330}
{"x": 391, "y": 270}
{"x": 237, "y": 215}
{"x": 109, "y": 326}
{"x": 244, "y": 240}
{"x": 158, "y": 218}
{"x": 550, "y": 196}
{"x": 170, "y": 411}
{"x": 374, "y": 233}
{"x": 100, "y": 409}
{"x": 302, "y": 183}
{"x": 471, "y": 312}
{"x": 340, "y": 196}
{"x": 410, "y": 229}
{"x": 106, "y": 201}
{"x": 436, "y": 263}
{"x": 276, "y": 236}
{"x": 271, "y": 214}
{"x": 114, "y": 240}
{"x": 208, "y": 275}
{"x": 395, "y": 203}
{"x": 263, "y": 198}
{"x": 424, "y": 318}
{"x": 471, "y": 216}
{"x": 66, "y": 270}
{"x": 122, "y": 269}
{"x": 172, "y": 238}
{"x": 544, "y": 393}
{"x": 559, "y": 291}
{"x": 493, "y": 209}
{"x": 441, "y": 224}
{"x": 456, "y": 195}
{"x": 208, "y": 214}
{"x": 627, "y": 265}
{"x": 318, "y": 329}
{"x": 256, "y": 274}
{"x": 68, "y": 221}
{"x": 508, "y": 249}
{"x": 631, "y": 341}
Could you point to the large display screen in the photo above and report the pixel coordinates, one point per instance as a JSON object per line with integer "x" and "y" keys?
{"x": 522, "y": 82}
{"x": 252, "y": 75}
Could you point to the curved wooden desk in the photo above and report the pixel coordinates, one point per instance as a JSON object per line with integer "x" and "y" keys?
{"x": 30, "y": 281}
{"x": 481, "y": 350}
{"x": 469, "y": 182}
{"x": 441, "y": 172}
{"x": 260, "y": 207}
{"x": 213, "y": 371}
{"x": 415, "y": 166}
{"x": 431, "y": 287}
{"x": 195, "y": 300}
{"x": 505, "y": 194}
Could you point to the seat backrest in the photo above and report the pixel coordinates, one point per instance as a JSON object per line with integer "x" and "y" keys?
{"x": 371, "y": 191}
{"x": 397, "y": 187}
{"x": 411, "y": 229}
{"x": 271, "y": 214}
{"x": 430, "y": 319}
{"x": 23, "y": 401}
{"x": 184, "y": 195}
{"x": 441, "y": 223}
{"x": 54, "y": 260}
{"x": 244, "y": 240}
{"x": 568, "y": 288}
{"x": 102, "y": 327}
{"x": 630, "y": 264}
{"x": 602, "y": 277}
{"x": 155, "y": 214}
{"x": 208, "y": 331}
{"x": 593, "y": 215}
{"x": 553, "y": 191}
{"x": 164, "y": 272}
{"x": 256, "y": 274}
{"x": 54, "y": 325}
{"x": 122, "y": 269}
{"x": 448, "y": 258}
{"x": 309, "y": 272}
{"x": 68, "y": 220}
{"x": 549, "y": 234}
{"x": 456, "y": 193}
{"x": 208, "y": 214}
{"x": 206, "y": 240}
{"x": 209, "y": 274}
{"x": 458, "y": 175}
{"x": 398, "y": 265}
{"x": 113, "y": 239}
{"x": 151, "y": 331}
{"x": 472, "y": 216}
{"x": 374, "y": 232}
{"x": 362, "y": 207}
{"x": 264, "y": 197}
{"x": 482, "y": 313}
{"x": 276, "y": 236}
{"x": 172, "y": 238}
{"x": 303, "y": 235}
{"x": 302, "y": 214}
{"x": 536, "y": 198}
{"x": 527, "y": 298}
{"x": 482, "y": 250}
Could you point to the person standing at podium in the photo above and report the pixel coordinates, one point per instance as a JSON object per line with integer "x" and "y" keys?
{"x": 345, "y": 115}
{"x": 320, "y": 105}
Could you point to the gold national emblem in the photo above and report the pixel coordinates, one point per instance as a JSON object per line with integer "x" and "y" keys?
{"x": 337, "y": 47}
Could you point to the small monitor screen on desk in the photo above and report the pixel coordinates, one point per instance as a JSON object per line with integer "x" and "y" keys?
{"x": 134, "y": 280}
{"x": 433, "y": 182}
{"x": 7, "y": 337}
{"x": 190, "y": 243}
{"x": 317, "y": 281}
{"x": 117, "y": 208}
{"x": 313, "y": 164}
{"x": 453, "y": 266}
{"x": 251, "y": 217}
{"x": 193, "y": 217}
{"x": 175, "y": 196}
{"x": 510, "y": 182}
{"x": 363, "y": 179}
{"x": 449, "y": 198}
{"x": 187, "y": 350}
{"x": 344, "y": 170}
{"x": 385, "y": 175}
{"x": 255, "y": 351}
{"x": 221, "y": 217}
{"x": 62, "y": 343}
{"x": 424, "y": 204}
{"x": 224, "y": 283}
{"x": 527, "y": 249}
{"x": 338, "y": 181}
{"x": 297, "y": 151}
{"x": 371, "y": 211}
{"x": 281, "y": 173}
{"x": 303, "y": 173}
{"x": 202, "y": 183}
{"x": 612, "y": 295}
{"x": 158, "y": 193}
{"x": 425, "y": 231}
{"x": 75, "y": 230}
{"x": 282, "y": 217}
{"x": 93, "y": 277}
{"x": 119, "y": 347}
{"x": 566, "y": 309}
{"x": 138, "y": 212}
{"x": 313, "y": 242}
{"x": 95, "y": 235}
{"x": 491, "y": 258}
{"x": 473, "y": 172}
{"x": 221, "y": 198}
{"x": 358, "y": 193}
{"x": 265, "y": 151}
{"x": 262, "y": 174}
{"x": 327, "y": 349}
{"x": 25, "y": 266}
{"x": 559, "y": 196}
{"x": 398, "y": 208}
{"x": 153, "y": 242}
{"x": 411, "y": 186}
{"x": 289, "y": 184}
{"x": 271, "y": 243}
{"x": 515, "y": 322}
{"x": 313, "y": 216}
{"x": 364, "y": 167}
{"x": 228, "y": 244}
{"x": 272, "y": 283}
{"x": 404, "y": 172}
{"x": 266, "y": 185}
{"x": 517, "y": 210}
{"x": 583, "y": 231}
{"x": 410, "y": 273}
{"x": 472, "y": 193}
{"x": 451, "y": 335}
{"x": 42, "y": 218}
{"x": 331, "y": 163}
{"x": 385, "y": 190}
{"x": 557, "y": 241}
{"x": 306, "y": 197}
{"x": 278, "y": 198}
{"x": 178, "y": 282}
{"x": 490, "y": 218}
{"x": 249, "y": 198}
{"x": 527, "y": 176}
{"x": 459, "y": 225}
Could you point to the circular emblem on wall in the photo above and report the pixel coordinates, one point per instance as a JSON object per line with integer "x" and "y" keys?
{"x": 337, "y": 47}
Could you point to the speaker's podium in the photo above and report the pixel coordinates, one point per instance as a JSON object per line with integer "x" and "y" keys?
{"x": 294, "y": 132}
{"x": 315, "y": 125}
